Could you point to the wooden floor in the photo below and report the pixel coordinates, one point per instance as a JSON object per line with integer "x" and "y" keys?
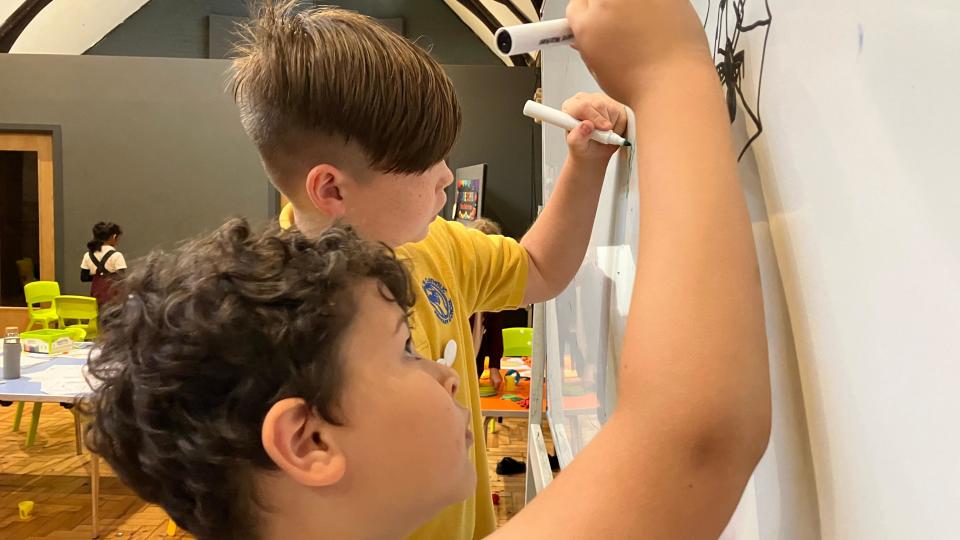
{"x": 510, "y": 439}
{"x": 57, "y": 480}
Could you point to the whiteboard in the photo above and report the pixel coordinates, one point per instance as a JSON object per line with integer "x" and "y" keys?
{"x": 584, "y": 326}
{"x": 860, "y": 182}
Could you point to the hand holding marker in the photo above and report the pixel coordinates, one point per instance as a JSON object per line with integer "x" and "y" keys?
{"x": 551, "y": 116}
{"x": 524, "y": 38}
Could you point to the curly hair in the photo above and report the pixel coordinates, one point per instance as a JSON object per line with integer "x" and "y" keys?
{"x": 208, "y": 338}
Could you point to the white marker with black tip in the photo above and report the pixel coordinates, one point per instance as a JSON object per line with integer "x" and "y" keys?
{"x": 549, "y": 115}
{"x": 524, "y": 38}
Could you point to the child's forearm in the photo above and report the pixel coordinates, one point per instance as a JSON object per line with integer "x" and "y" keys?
{"x": 692, "y": 417}
{"x": 557, "y": 241}
{"x": 695, "y": 342}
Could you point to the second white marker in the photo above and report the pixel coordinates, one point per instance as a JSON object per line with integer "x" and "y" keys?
{"x": 549, "y": 115}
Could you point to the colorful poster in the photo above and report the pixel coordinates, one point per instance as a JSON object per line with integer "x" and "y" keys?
{"x": 468, "y": 201}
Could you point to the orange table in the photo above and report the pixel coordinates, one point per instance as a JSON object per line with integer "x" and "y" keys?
{"x": 498, "y": 407}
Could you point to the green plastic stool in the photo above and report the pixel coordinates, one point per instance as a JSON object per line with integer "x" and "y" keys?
{"x": 517, "y": 342}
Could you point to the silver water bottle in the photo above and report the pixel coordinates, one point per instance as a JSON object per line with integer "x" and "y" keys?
{"x": 11, "y": 353}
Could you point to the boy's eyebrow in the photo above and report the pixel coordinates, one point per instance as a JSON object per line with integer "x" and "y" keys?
{"x": 401, "y": 323}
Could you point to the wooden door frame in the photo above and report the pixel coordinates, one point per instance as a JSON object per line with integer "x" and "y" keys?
{"x": 45, "y": 140}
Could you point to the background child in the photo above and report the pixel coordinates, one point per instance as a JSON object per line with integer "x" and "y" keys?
{"x": 488, "y": 327}
{"x": 102, "y": 263}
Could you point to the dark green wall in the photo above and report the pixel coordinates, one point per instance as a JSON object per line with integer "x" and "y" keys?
{"x": 156, "y": 145}
{"x": 495, "y": 132}
{"x": 179, "y": 28}
{"x": 152, "y": 144}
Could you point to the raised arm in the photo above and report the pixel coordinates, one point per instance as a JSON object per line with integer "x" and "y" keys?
{"x": 557, "y": 241}
{"x": 693, "y": 416}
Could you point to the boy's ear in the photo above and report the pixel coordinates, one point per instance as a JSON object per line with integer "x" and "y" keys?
{"x": 302, "y": 444}
{"x": 324, "y": 183}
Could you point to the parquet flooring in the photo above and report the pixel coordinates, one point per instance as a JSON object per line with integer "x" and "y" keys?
{"x": 57, "y": 480}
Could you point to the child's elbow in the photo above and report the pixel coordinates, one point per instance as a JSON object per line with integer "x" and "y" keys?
{"x": 722, "y": 439}
{"x": 740, "y": 441}
{"x": 757, "y": 430}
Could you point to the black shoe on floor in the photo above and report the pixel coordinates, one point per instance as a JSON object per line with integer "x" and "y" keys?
{"x": 509, "y": 466}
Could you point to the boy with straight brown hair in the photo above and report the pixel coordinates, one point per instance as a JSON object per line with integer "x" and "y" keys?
{"x": 353, "y": 123}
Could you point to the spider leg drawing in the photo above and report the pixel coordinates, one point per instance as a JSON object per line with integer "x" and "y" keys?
{"x": 730, "y": 58}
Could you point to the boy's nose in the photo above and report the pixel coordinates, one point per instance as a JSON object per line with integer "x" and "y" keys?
{"x": 447, "y": 176}
{"x": 447, "y": 377}
{"x": 450, "y": 380}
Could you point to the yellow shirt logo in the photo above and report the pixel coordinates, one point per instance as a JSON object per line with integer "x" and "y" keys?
{"x": 439, "y": 300}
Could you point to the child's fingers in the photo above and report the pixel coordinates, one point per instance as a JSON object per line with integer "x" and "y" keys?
{"x": 589, "y": 107}
{"x": 580, "y": 18}
{"x": 575, "y": 11}
{"x": 615, "y": 115}
{"x": 598, "y": 115}
{"x": 579, "y": 139}
{"x": 619, "y": 117}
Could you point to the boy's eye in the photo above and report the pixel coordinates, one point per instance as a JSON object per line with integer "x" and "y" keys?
{"x": 408, "y": 347}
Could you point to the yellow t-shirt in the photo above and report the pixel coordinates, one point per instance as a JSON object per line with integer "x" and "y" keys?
{"x": 458, "y": 272}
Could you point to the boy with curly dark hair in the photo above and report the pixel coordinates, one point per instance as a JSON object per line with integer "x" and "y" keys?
{"x": 218, "y": 342}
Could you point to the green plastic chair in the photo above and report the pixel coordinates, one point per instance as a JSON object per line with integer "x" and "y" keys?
{"x": 41, "y": 292}
{"x": 35, "y": 424}
{"x": 77, "y": 312}
{"x": 34, "y": 421}
{"x": 77, "y": 333}
{"x": 37, "y": 292}
{"x": 518, "y": 342}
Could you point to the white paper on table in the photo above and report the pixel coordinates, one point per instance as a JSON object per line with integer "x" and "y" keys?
{"x": 30, "y": 360}
{"x": 62, "y": 380}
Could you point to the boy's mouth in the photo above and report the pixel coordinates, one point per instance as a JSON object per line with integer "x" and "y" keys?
{"x": 469, "y": 437}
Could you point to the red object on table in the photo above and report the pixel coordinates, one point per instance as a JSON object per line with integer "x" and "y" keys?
{"x": 498, "y": 405}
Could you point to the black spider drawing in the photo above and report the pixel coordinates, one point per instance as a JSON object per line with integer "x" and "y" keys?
{"x": 730, "y": 59}
{"x": 730, "y": 70}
